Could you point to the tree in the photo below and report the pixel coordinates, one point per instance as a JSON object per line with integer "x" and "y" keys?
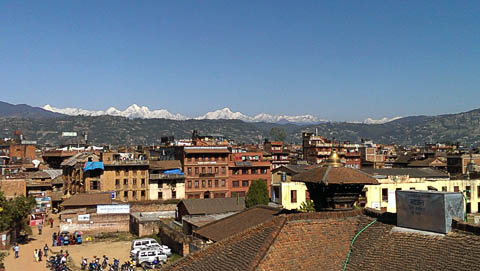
{"x": 14, "y": 213}
{"x": 257, "y": 193}
{"x": 307, "y": 207}
{"x": 278, "y": 134}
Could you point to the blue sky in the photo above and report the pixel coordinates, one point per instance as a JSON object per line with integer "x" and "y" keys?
{"x": 339, "y": 60}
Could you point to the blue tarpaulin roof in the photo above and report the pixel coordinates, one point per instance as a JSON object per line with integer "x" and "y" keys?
{"x": 173, "y": 171}
{"x": 93, "y": 165}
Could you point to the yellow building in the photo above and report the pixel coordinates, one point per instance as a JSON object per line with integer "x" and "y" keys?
{"x": 382, "y": 196}
{"x": 285, "y": 192}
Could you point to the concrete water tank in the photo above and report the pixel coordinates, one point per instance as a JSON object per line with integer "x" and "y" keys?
{"x": 428, "y": 210}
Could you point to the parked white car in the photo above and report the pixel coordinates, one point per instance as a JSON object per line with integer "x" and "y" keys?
{"x": 147, "y": 255}
{"x": 148, "y": 243}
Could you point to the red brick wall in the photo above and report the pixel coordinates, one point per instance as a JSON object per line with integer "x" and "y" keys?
{"x": 22, "y": 151}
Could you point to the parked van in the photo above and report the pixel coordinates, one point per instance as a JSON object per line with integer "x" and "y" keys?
{"x": 147, "y": 255}
{"x": 148, "y": 243}
{"x": 143, "y": 243}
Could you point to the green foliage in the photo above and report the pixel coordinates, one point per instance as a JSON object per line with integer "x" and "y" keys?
{"x": 278, "y": 134}
{"x": 3, "y": 255}
{"x": 307, "y": 207}
{"x": 14, "y": 215}
{"x": 257, "y": 193}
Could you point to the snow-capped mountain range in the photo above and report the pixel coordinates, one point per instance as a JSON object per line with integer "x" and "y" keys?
{"x": 135, "y": 111}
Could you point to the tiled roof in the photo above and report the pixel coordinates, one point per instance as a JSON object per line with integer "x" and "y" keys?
{"x": 213, "y": 206}
{"x": 88, "y": 199}
{"x": 334, "y": 175}
{"x": 79, "y": 157}
{"x": 165, "y": 164}
{"x": 295, "y": 169}
{"x": 321, "y": 241}
{"x": 412, "y": 172}
{"x": 206, "y": 150}
{"x": 378, "y": 248}
{"x": 237, "y": 223}
{"x": 427, "y": 162}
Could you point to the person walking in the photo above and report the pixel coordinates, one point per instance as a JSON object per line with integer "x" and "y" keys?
{"x": 45, "y": 250}
{"x": 54, "y": 239}
{"x": 40, "y": 226}
{"x": 35, "y": 255}
{"x": 51, "y": 222}
{"x": 40, "y": 254}
{"x": 15, "y": 249}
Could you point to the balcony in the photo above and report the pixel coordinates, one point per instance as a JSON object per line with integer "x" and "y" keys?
{"x": 207, "y": 175}
{"x": 126, "y": 163}
{"x": 166, "y": 176}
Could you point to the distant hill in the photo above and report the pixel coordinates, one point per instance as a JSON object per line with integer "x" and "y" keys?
{"x": 25, "y": 111}
{"x": 416, "y": 130}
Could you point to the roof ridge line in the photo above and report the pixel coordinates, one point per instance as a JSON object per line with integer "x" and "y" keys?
{"x": 280, "y": 223}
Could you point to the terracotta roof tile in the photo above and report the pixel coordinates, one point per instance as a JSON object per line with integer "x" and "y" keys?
{"x": 332, "y": 175}
{"x": 237, "y": 223}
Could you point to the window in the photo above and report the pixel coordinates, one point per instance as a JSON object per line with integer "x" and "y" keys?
{"x": 174, "y": 194}
{"x": 125, "y": 194}
{"x": 196, "y": 184}
{"x": 209, "y": 169}
{"x": 284, "y": 176}
{"x": 216, "y": 169}
{"x": 412, "y": 188}
{"x": 125, "y": 181}
{"x": 125, "y": 172}
{"x": 134, "y": 194}
{"x": 117, "y": 182}
{"x": 444, "y": 188}
{"x": 196, "y": 170}
{"x": 293, "y": 196}
{"x": 143, "y": 182}
{"x": 94, "y": 185}
{"x": 203, "y": 183}
{"x": 216, "y": 183}
{"x": 235, "y": 183}
{"x": 203, "y": 169}
{"x": 189, "y": 184}
{"x": 189, "y": 171}
{"x": 223, "y": 170}
{"x": 244, "y": 171}
{"x": 160, "y": 195}
{"x": 254, "y": 171}
{"x": 263, "y": 171}
{"x": 307, "y": 195}
{"x": 134, "y": 181}
{"x": 456, "y": 189}
{"x": 385, "y": 194}
{"x": 223, "y": 182}
{"x": 398, "y": 189}
{"x": 117, "y": 172}
{"x": 468, "y": 192}
{"x": 173, "y": 183}
{"x": 235, "y": 171}
{"x": 209, "y": 183}
{"x": 478, "y": 194}
{"x": 245, "y": 183}
{"x": 143, "y": 193}
{"x": 160, "y": 184}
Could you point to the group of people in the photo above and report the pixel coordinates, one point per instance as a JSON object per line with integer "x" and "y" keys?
{"x": 95, "y": 264}
{"x": 39, "y": 253}
{"x": 60, "y": 239}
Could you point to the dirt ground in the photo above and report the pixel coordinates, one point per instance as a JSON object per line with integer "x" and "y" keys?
{"x": 110, "y": 248}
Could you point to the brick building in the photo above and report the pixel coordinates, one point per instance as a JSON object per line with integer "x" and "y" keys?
{"x": 244, "y": 167}
{"x": 276, "y": 153}
{"x": 206, "y": 171}
{"x": 317, "y": 149}
{"x": 126, "y": 174}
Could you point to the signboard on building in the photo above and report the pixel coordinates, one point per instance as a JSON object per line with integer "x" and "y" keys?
{"x": 69, "y": 133}
{"x": 84, "y": 217}
{"x": 113, "y": 209}
{"x": 376, "y": 205}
